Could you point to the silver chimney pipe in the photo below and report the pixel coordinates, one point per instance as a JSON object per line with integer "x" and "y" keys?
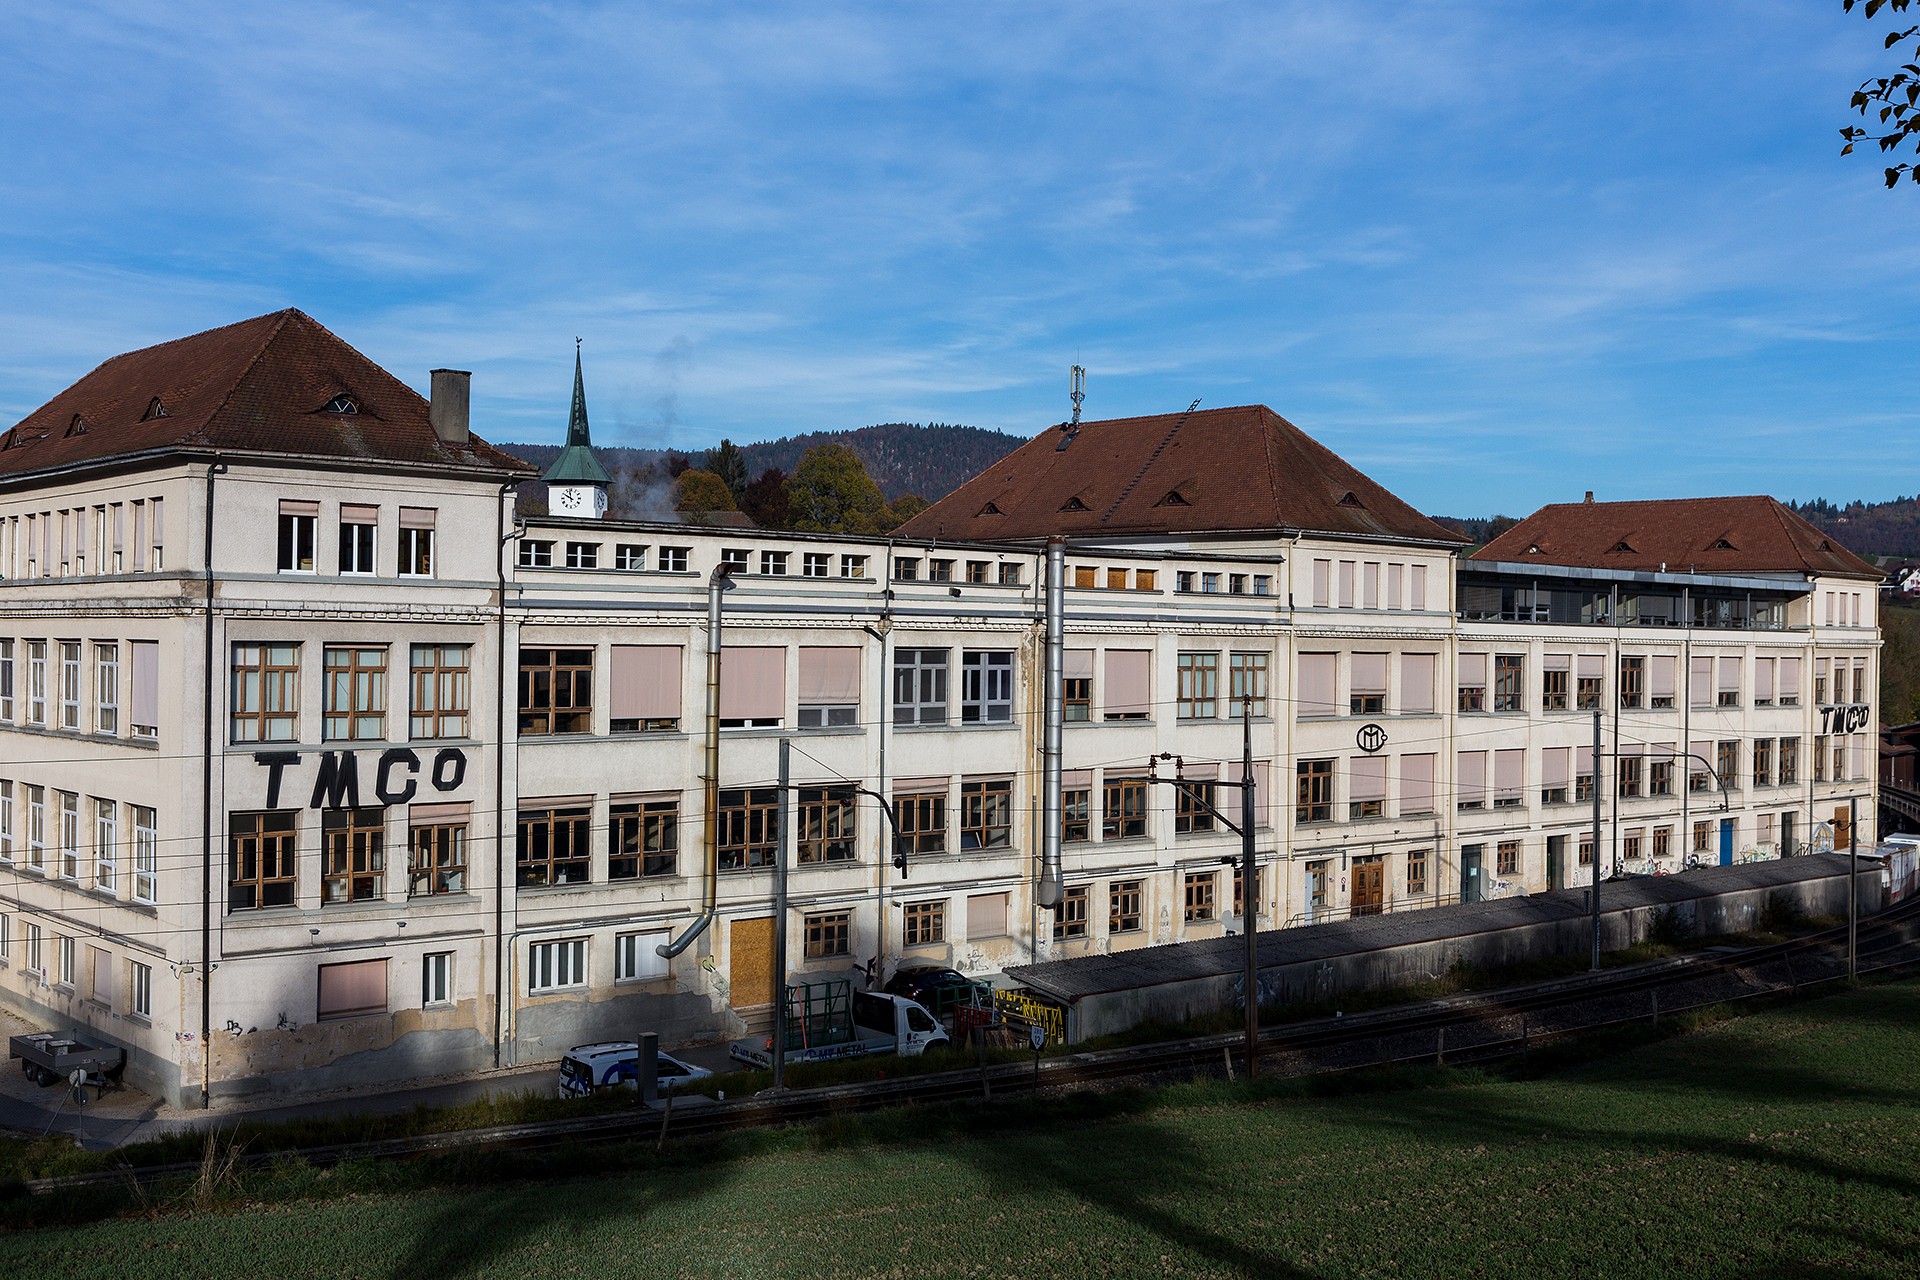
{"x": 1050, "y": 890}
{"x": 717, "y": 583}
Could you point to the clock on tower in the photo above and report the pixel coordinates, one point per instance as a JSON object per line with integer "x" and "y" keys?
{"x": 576, "y": 482}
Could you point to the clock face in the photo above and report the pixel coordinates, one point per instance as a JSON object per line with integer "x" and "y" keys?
{"x": 569, "y": 499}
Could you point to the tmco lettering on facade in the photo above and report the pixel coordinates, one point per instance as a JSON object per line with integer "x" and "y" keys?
{"x": 1845, "y": 717}
{"x": 336, "y": 784}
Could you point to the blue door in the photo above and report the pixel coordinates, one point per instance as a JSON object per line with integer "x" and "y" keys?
{"x": 1726, "y": 842}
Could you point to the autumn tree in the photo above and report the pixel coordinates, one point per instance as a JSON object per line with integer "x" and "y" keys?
{"x": 730, "y": 465}
{"x": 766, "y": 501}
{"x": 831, "y": 492}
{"x": 1894, "y": 100}
{"x": 701, "y": 493}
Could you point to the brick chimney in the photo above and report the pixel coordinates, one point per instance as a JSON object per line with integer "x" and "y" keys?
{"x": 447, "y": 406}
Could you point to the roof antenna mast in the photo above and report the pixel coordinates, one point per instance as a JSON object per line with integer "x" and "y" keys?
{"x": 1076, "y": 392}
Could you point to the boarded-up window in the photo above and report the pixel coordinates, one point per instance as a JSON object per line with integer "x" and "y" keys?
{"x": 753, "y": 686}
{"x": 986, "y": 915}
{"x": 1416, "y": 784}
{"x": 1416, "y": 683}
{"x": 1316, "y": 684}
{"x": 347, "y": 990}
{"x": 1129, "y": 690}
{"x": 645, "y": 680}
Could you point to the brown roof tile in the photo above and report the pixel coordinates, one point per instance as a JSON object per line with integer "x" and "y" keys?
{"x": 259, "y": 386}
{"x": 1681, "y": 535}
{"x": 1212, "y": 470}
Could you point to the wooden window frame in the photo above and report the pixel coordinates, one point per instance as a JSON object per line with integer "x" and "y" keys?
{"x": 262, "y": 859}
{"x": 986, "y": 815}
{"x": 1200, "y": 890}
{"x": 543, "y": 710}
{"x": 923, "y": 924}
{"x": 1197, "y": 686}
{"x": 274, "y": 715}
{"x": 1070, "y": 917}
{"x": 828, "y": 934}
{"x": 349, "y": 670}
{"x": 922, "y": 817}
{"x": 1124, "y": 810}
{"x": 643, "y": 840}
{"x": 543, "y": 857}
{"x": 828, "y": 830}
{"x": 749, "y": 828}
{"x": 1313, "y": 791}
{"x": 442, "y": 691}
{"x": 353, "y": 856}
{"x": 436, "y": 859}
{"x": 1124, "y": 899}
{"x": 1248, "y": 675}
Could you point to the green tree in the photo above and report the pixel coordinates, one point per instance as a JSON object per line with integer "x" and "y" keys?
{"x": 902, "y": 509}
{"x": 700, "y": 493}
{"x": 1893, "y": 100}
{"x": 831, "y": 492}
{"x": 766, "y": 502}
{"x": 730, "y": 465}
{"x": 1900, "y": 665}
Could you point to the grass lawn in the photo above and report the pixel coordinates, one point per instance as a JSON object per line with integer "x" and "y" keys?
{"x": 1785, "y": 1143}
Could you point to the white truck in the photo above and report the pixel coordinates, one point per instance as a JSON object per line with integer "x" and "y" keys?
{"x": 826, "y": 1023}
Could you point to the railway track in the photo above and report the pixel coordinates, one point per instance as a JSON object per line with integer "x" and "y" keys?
{"x": 1456, "y": 1029}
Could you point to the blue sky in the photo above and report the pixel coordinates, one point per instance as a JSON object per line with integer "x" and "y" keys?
{"x": 1494, "y": 253}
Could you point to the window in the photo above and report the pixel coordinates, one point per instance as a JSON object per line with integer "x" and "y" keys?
{"x": 35, "y": 960}
{"x": 1123, "y": 810}
{"x": 555, "y": 966}
{"x": 1263, "y": 584}
{"x": 1763, "y": 762}
{"x": 6, "y": 680}
{"x": 1586, "y": 690}
{"x": 1627, "y": 775}
{"x": 1190, "y": 815}
{"x": 1200, "y": 890}
{"x": 977, "y": 570}
{"x": 1506, "y": 857}
{"x": 536, "y": 553}
{"x": 826, "y": 831}
{"x": 266, "y": 692}
{"x": 1367, "y": 787}
{"x": 1116, "y": 579}
{"x": 556, "y": 691}
{"x": 1473, "y": 682}
{"x": 260, "y": 860}
{"x": 1074, "y": 817}
{"x": 734, "y": 558}
{"x": 1585, "y": 852}
{"x": 106, "y": 846}
{"x": 643, "y": 839}
{"x": 630, "y": 557}
{"x": 939, "y": 571}
{"x": 923, "y": 923}
{"x": 1727, "y": 763}
{"x": 6, "y": 821}
{"x": 829, "y": 935}
{"x": 37, "y": 828}
{"x": 69, "y": 684}
{"x": 814, "y": 564}
{"x": 636, "y": 957}
{"x": 1660, "y": 774}
{"x": 438, "y": 859}
{"x": 1367, "y": 684}
{"x": 1583, "y": 774}
{"x": 37, "y": 682}
{"x": 986, "y": 815}
{"x": 1313, "y": 791}
{"x": 552, "y": 846}
{"x": 441, "y": 691}
{"x": 1633, "y": 673}
{"x": 67, "y": 957}
{"x": 1820, "y": 759}
{"x": 297, "y": 521}
{"x": 1553, "y": 685}
{"x": 1701, "y": 832}
{"x": 106, "y": 684}
{"x": 69, "y": 835}
{"x": 923, "y": 822}
{"x": 673, "y": 560}
{"x": 1660, "y": 695}
{"x": 356, "y": 695}
{"x": 1086, "y": 577}
{"x": 1069, "y": 919}
{"x": 1236, "y": 584}
{"x": 436, "y": 978}
{"x": 1416, "y": 872}
{"x": 986, "y": 687}
{"x": 586, "y": 555}
{"x": 749, "y": 828}
{"x": 353, "y": 855}
{"x": 1210, "y": 583}
{"x": 1197, "y": 686}
{"x": 853, "y": 566}
{"x": 357, "y": 538}
{"x": 1662, "y": 842}
{"x": 1507, "y": 682}
{"x": 142, "y": 1005}
{"x": 920, "y": 686}
{"x": 906, "y": 568}
{"x": 1247, "y": 678}
{"x": 1183, "y": 581}
{"x": 1727, "y": 691}
{"x": 1123, "y": 906}
{"x": 1128, "y": 693}
{"x": 1076, "y": 683}
{"x": 1789, "y": 761}
{"x": 1009, "y": 574}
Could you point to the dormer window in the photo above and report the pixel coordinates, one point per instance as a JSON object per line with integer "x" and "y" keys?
{"x": 1721, "y": 544}
{"x": 78, "y": 427}
{"x": 1174, "y": 498}
{"x": 154, "y": 410}
{"x": 1535, "y": 550}
{"x": 342, "y": 405}
{"x": 1350, "y": 499}
{"x": 1620, "y": 546}
{"x": 1074, "y": 504}
{"x": 991, "y": 509}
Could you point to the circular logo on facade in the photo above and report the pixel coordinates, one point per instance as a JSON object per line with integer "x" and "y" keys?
{"x": 1371, "y": 738}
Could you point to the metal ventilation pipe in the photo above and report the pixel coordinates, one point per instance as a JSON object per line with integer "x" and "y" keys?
{"x": 717, "y": 582}
{"x": 1050, "y": 889}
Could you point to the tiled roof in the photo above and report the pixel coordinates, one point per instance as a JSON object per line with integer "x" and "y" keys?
{"x": 261, "y": 386}
{"x": 1679, "y": 535}
{"x": 1237, "y": 469}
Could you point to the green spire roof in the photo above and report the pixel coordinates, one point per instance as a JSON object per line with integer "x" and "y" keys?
{"x": 576, "y": 463}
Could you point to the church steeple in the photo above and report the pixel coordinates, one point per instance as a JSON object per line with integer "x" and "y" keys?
{"x": 576, "y": 482}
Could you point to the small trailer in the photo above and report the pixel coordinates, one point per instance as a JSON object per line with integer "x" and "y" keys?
{"x": 52, "y": 1057}
{"x": 826, "y": 1022}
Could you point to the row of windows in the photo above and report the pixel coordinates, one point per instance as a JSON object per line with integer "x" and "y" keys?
{"x": 1369, "y": 584}
{"x": 1509, "y": 601}
{"x": 357, "y": 544}
{"x": 1208, "y": 583}
{"x": 907, "y": 569}
{"x": 104, "y": 845}
{"x": 265, "y": 699}
{"x": 263, "y": 857}
{"x": 1088, "y": 578}
{"x": 53, "y": 684}
{"x": 56, "y": 957}
{"x": 78, "y": 541}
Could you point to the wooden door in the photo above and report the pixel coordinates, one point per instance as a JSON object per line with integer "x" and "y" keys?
{"x": 1369, "y": 886}
{"x": 750, "y": 962}
{"x": 1842, "y": 828}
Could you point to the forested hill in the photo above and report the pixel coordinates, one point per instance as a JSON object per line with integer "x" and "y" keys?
{"x": 903, "y": 457}
{"x": 1869, "y": 528}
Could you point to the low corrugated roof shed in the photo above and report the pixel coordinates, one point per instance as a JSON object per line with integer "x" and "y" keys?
{"x": 1211, "y": 470}
{"x": 1679, "y": 535}
{"x": 276, "y": 384}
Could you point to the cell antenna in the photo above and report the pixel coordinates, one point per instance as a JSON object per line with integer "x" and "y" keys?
{"x": 1077, "y": 390}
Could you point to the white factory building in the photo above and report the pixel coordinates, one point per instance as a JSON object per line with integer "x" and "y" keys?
{"x": 318, "y": 767}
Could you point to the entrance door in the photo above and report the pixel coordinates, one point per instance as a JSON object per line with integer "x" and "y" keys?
{"x": 1726, "y": 842}
{"x": 1842, "y": 828}
{"x": 1471, "y": 889}
{"x": 1556, "y": 862}
{"x": 1786, "y": 834}
{"x": 750, "y": 962}
{"x": 1369, "y": 886}
{"x": 1316, "y": 890}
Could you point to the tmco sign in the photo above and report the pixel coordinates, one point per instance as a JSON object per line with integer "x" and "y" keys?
{"x": 1845, "y": 717}
{"x": 395, "y": 778}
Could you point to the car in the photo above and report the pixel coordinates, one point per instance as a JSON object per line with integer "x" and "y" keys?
{"x": 588, "y": 1068}
{"x": 936, "y": 987}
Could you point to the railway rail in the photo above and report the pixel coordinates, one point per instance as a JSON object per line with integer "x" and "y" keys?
{"x": 1456, "y": 1029}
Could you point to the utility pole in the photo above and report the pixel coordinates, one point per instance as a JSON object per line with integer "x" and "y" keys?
{"x": 1250, "y": 897}
{"x": 1593, "y": 891}
{"x": 780, "y": 917}
{"x": 1853, "y": 888}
